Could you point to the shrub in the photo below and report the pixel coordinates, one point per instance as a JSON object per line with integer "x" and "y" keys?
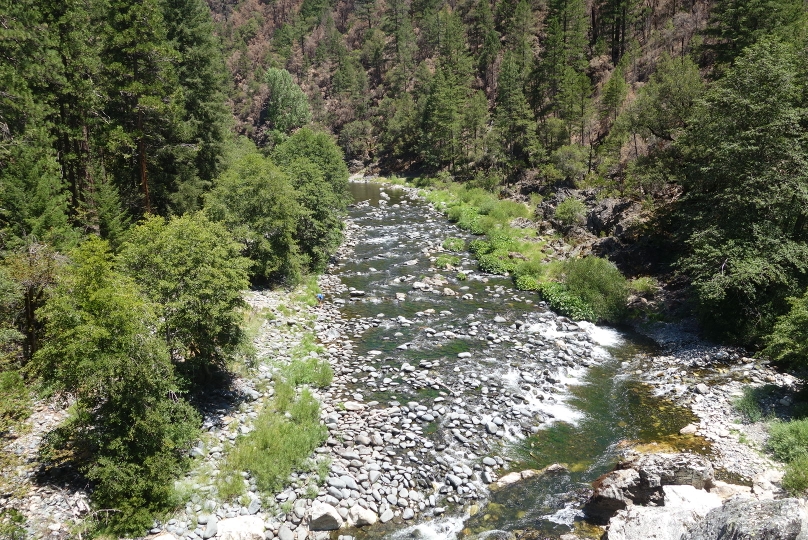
{"x": 788, "y": 342}
{"x": 789, "y": 440}
{"x": 527, "y": 283}
{"x": 445, "y": 261}
{"x": 15, "y": 400}
{"x": 643, "y": 286}
{"x": 795, "y": 480}
{"x": 570, "y": 212}
{"x": 747, "y": 405}
{"x": 496, "y": 263}
{"x": 562, "y": 301}
{"x": 309, "y": 370}
{"x": 600, "y": 285}
{"x": 454, "y": 244}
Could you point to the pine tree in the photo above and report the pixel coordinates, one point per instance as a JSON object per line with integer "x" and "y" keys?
{"x": 513, "y": 117}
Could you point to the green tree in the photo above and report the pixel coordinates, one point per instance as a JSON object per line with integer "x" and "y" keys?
{"x": 664, "y": 105}
{"x": 128, "y": 430}
{"x": 192, "y": 269}
{"x": 513, "y": 118}
{"x": 286, "y": 107}
{"x": 614, "y": 94}
{"x": 256, "y": 202}
{"x": 745, "y": 159}
{"x": 737, "y": 24}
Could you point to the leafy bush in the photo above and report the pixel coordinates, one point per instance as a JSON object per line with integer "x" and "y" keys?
{"x": 788, "y": 440}
{"x": 527, "y": 283}
{"x": 309, "y": 370}
{"x": 191, "y": 268}
{"x": 15, "y": 400}
{"x": 445, "y": 261}
{"x": 570, "y": 212}
{"x": 562, "y": 301}
{"x": 643, "y": 286}
{"x": 496, "y": 263}
{"x": 788, "y": 342}
{"x": 600, "y": 285}
{"x": 747, "y": 405}
{"x": 795, "y": 480}
{"x": 454, "y": 244}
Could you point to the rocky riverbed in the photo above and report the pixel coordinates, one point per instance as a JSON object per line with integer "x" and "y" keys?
{"x": 445, "y": 379}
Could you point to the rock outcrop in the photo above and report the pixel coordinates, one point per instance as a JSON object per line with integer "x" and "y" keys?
{"x": 750, "y": 519}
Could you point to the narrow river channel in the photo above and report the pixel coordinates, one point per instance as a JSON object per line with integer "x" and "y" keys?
{"x": 496, "y": 382}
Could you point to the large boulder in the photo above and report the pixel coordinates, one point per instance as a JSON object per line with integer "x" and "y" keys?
{"x": 605, "y": 216}
{"x": 362, "y": 516}
{"x": 324, "y": 517}
{"x": 639, "y": 481}
{"x": 749, "y": 519}
{"x": 685, "y": 507}
{"x": 241, "y": 528}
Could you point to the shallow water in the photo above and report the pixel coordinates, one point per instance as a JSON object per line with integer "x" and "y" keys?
{"x": 578, "y": 413}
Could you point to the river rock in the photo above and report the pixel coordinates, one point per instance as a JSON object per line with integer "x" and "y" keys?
{"x": 211, "y": 527}
{"x": 324, "y": 517}
{"x": 241, "y": 528}
{"x": 353, "y": 406}
{"x": 747, "y": 519}
{"x": 362, "y": 516}
{"x": 285, "y": 533}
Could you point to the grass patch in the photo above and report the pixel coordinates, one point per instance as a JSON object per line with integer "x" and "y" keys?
{"x": 446, "y": 261}
{"x": 788, "y": 440}
{"x": 748, "y": 406}
{"x": 454, "y": 244}
{"x": 15, "y": 400}
{"x": 643, "y": 286}
{"x": 279, "y": 445}
{"x": 310, "y": 370}
{"x": 795, "y": 479}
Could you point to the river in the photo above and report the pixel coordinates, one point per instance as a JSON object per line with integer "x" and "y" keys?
{"x": 495, "y": 376}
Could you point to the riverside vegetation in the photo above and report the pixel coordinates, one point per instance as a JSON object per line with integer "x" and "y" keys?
{"x": 190, "y": 150}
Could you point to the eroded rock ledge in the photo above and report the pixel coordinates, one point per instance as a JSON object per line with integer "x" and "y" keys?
{"x": 676, "y": 497}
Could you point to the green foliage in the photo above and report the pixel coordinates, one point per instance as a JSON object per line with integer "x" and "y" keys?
{"x": 286, "y": 107}
{"x": 316, "y": 168}
{"x": 600, "y": 285}
{"x": 454, "y": 244}
{"x": 748, "y": 405}
{"x": 126, "y": 432}
{"x": 527, "y": 282}
{"x": 276, "y": 447}
{"x": 445, "y": 261}
{"x": 562, "y": 301}
{"x": 643, "y": 286}
{"x": 795, "y": 479}
{"x": 743, "y": 167}
{"x": 257, "y": 203}
{"x": 15, "y": 400}
{"x": 788, "y": 341}
{"x": 788, "y": 441}
{"x": 12, "y": 524}
{"x": 570, "y": 212}
{"x": 192, "y": 269}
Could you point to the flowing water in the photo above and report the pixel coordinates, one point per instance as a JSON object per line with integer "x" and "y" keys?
{"x": 513, "y": 381}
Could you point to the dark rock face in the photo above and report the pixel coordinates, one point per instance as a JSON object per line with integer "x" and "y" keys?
{"x": 639, "y": 481}
{"x": 608, "y": 214}
{"x": 744, "y": 519}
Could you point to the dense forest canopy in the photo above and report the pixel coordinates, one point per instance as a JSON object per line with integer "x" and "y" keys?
{"x": 157, "y": 157}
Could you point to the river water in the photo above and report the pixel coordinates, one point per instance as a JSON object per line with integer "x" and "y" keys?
{"x": 493, "y": 375}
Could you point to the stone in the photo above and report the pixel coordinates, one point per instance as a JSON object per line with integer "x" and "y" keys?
{"x": 362, "y": 516}
{"x": 241, "y": 528}
{"x": 165, "y": 536}
{"x": 386, "y": 516}
{"x": 408, "y": 513}
{"x": 285, "y": 533}
{"x": 211, "y": 527}
{"x": 353, "y": 406}
{"x": 454, "y": 480}
{"x": 324, "y": 517}
{"x": 726, "y": 491}
{"x": 689, "y": 429}
{"x": 748, "y": 519}
{"x": 254, "y": 506}
{"x": 491, "y": 462}
{"x": 702, "y": 388}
